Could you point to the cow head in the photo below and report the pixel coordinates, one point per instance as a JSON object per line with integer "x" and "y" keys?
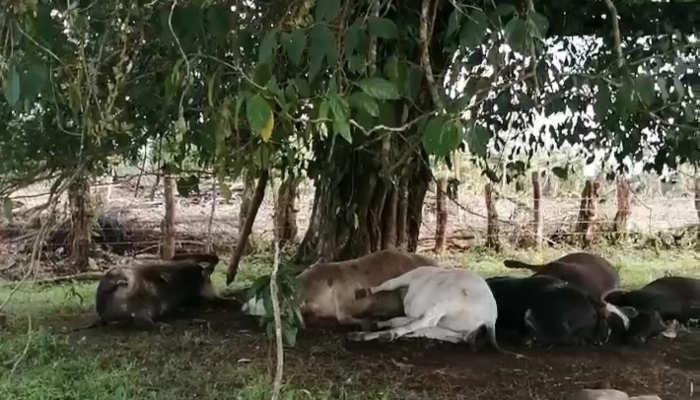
{"x": 644, "y": 325}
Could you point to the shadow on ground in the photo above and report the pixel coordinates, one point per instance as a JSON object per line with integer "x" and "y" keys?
{"x": 414, "y": 369}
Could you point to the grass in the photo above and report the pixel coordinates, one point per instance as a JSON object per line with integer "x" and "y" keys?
{"x": 196, "y": 362}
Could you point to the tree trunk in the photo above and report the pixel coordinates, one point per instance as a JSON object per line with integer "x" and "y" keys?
{"x": 492, "y": 229}
{"x": 588, "y": 213}
{"x": 369, "y": 195}
{"x": 286, "y": 212}
{"x": 441, "y": 220}
{"x": 537, "y": 216}
{"x": 356, "y": 211}
{"x": 81, "y": 222}
{"x": 623, "y": 206}
{"x": 168, "y": 223}
{"x": 244, "y": 210}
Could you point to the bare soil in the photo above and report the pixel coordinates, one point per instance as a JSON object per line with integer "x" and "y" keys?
{"x": 422, "y": 369}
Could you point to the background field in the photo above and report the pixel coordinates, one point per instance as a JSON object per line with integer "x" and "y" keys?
{"x": 228, "y": 356}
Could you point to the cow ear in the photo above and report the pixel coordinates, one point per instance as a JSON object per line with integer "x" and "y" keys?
{"x": 613, "y": 296}
{"x": 207, "y": 270}
{"x": 630, "y": 312}
{"x": 671, "y": 330}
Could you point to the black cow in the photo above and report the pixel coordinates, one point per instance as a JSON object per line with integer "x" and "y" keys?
{"x": 674, "y": 297}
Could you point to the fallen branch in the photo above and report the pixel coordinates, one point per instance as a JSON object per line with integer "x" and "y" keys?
{"x": 248, "y": 227}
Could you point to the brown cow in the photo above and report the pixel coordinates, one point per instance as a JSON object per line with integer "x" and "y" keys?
{"x": 328, "y": 288}
{"x": 590, "y": 272}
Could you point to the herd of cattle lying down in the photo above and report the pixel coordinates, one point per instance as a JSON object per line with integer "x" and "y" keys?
{"x": 573, "y": 300}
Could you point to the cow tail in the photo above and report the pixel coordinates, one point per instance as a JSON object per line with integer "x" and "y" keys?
{"x": 208, "y": 258}
{"x": 515, "y": 264}
{"x": 491, "y": 334}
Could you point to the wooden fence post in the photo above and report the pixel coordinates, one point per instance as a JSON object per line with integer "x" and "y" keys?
{"x": 623, "y": 206}
{"x": 492, "y": 240}
{"x": 537, "y": 217}
{"x": 441, "y": 220}
{"x": 588, "y": 213}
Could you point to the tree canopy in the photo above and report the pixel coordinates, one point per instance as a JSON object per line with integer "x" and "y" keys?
{"x": 377, "y": 90}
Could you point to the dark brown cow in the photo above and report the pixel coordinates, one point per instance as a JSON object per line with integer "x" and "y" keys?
{"x": 145, "y": 293}
{"x": 590, "y": 272}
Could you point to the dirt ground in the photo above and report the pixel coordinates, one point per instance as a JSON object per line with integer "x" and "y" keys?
{"x": 434, "y": 370}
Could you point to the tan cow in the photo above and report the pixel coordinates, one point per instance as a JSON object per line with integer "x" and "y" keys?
{"x": 328, "y": 288}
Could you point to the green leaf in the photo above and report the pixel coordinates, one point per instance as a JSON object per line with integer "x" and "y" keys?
{"x": 357, "y": 63}
{"x": 561, "y": 173}
{"x": 412, "y": 85}
{"x": 474, "y": 30}
{"x": 383, "y": 28}
{"x": 516, "y": 34}
{"x": 290, "y": 94}
{"x": 396, "y": 70}
{"x": 362, "y": 101}
{"x": 644, "y": 86}
{"x": 441, "y": 136}
{"x": 339, "y": 107}
{"x": 33, "y": 81}
{"x": 327, "y": 10}
{"x": 602, "y": 101}
{"x": 320, "y": 47}
{"x": 323, "y": 110}
{"x": 303, "y": 87}
{"x": 478, "y": 140}
{"x": 504, "y": 10}
{"x": 289, "y": 333}
{"x": 268, "y": 47}
{"x": 11, "y": 89}
{"x": 7, "y": 208}
{"x": 258, "y": 113}
{"x": 294, "y": 44}
{"x": 342, "y": 128}
{"x": 453, "y": 23}
{"x": 352, "y": 38}
{"x": 539, "y": 24}
{"x": 380, "y": 88}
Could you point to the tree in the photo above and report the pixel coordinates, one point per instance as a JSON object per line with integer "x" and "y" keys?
{"x": 367, "y": 86}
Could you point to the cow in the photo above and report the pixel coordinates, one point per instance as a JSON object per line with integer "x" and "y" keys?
{"x": 674, "y": 297}
{"x": 559, "y": 312}
{"x": 440, "y": 303}
{"x": 516, "y": 296}
{"x": 592, "y": 273}
{"x": 328, "y": 288}
{"x": 553, "y": 311}
{"x": 146, "y": 293}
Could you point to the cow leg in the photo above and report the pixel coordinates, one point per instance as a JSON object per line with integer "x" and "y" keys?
{"x": 427, "y": 320}
{"x": 437, "y": 333}
{"x": 344, "y": 319}
{"x": 393, "y": 323}
{"x": 392, "y": 284}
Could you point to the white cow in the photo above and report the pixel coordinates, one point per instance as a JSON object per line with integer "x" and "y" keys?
{"x": 446, "y": 304}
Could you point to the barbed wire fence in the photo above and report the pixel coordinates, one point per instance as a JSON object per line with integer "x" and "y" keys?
{"x": 130, "y": 208}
